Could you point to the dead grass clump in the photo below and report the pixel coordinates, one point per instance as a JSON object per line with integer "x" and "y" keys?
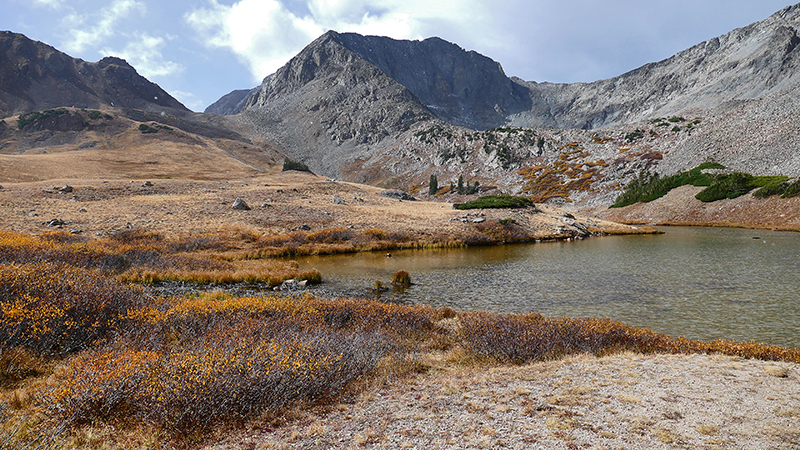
{"x": 18, "y": 364}
{"x": 144, "y": 257}
{"x": 204, "y": 271}
{"x": 331, "y": 235}
{"x": 401, "y": 277}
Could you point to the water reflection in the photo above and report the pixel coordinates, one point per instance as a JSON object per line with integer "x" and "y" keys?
{"x": 701, "y": 283}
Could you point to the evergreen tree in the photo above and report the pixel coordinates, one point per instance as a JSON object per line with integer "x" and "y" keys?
{"x": 434, "y": 188}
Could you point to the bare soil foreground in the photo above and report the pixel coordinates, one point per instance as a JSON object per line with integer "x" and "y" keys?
{"x": 624, "y": 401}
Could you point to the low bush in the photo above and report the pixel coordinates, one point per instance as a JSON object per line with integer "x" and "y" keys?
{"x": 726, "y": 186}
{"x": 648, "y": 187}
{"x": 288, "y": 164}
{"x": 33, "y": 116}
{"x": 147, "y": 129}
{"x": 792, "y": 189}
{"x": 217, "y": 360}
{"x": 54, "y": 308}
{"x": 524, "y": 338}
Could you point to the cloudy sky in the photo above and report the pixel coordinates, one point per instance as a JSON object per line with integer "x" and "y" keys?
{"x": 200, "y": 50}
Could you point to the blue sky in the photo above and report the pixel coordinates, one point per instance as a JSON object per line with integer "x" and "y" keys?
{"x": 201, "y": 50}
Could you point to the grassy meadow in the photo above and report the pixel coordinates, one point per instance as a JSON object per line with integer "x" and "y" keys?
{"x": 91, "y": 358}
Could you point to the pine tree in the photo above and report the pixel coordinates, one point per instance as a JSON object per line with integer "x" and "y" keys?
{"x": 434, "y": 188}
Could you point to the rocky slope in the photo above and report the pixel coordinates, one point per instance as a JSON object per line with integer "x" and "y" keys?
{"x": 35, "y": 76}
{"x": 328, "y": 107}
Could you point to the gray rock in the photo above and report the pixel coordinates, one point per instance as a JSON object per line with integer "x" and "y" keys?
{"x": 292, "y": 285}
{"x": 240, "y": 205}
{"x": 337, "y": 199}
{"x": 65, "y": 189}
{"x": 304, "y": 227}
{"x": 398, "y": 195}
{"x": 55, "y": 223}
{"x": 147, "y": 184}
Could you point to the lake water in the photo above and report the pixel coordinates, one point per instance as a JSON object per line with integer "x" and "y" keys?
{"x": 700, "y": 283}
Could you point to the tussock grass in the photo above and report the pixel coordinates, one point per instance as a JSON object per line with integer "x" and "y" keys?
{"x": 527, "y": 338}
{"x": 146, "y": 257}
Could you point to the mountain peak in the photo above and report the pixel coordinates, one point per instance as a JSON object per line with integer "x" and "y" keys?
{"x": 36, "y": 76}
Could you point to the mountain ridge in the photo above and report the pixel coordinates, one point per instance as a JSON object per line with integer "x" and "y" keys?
{"x": 36, "y": 76}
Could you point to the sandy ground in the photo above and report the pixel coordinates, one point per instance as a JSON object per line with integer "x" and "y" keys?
{"x": 280, "y": 203}
{"x": 619, "y": 402}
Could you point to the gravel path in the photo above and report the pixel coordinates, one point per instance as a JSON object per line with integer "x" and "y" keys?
{"x": 618, "y": 402}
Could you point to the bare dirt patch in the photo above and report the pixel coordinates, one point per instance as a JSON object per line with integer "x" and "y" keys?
{"x": 617, "y": 402}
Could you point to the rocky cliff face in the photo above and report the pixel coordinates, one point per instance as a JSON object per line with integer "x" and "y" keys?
{"x": 35, "y": 76}
{"x": 462, "y": 88}
{"x": 231, "y": 103}
{"x": 753, "y": 62}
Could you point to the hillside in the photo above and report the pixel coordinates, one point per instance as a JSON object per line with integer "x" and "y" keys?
{"x": 80, "y": 144}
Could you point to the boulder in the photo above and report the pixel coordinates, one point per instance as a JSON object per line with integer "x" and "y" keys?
{"x": 338, "y": 200}
{"x": 240, "y": 205}
{"x": 398, "y": 195}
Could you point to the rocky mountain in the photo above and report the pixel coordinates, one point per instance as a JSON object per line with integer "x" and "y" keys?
{"x": 389, "y": 112}
{"x": 328, "y": 107}
{"x": 35, "y": 76}
{"x": 462, "y": 88}
{"x": 231, "y": 103}
{"x": 749, "y": 63}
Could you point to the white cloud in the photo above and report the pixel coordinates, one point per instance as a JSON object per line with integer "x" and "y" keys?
{"x": 188, "y": 99}
{"x": 266, "y": 33}
{"x": 49, "y": 3}
{"x": 145, "y": 56}
{"x": 103, "y": 24}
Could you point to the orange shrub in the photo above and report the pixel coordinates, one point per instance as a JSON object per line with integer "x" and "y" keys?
{"x": 55, "y": 308}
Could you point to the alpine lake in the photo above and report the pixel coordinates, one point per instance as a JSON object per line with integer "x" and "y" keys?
{"x": 695, "y": 282}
